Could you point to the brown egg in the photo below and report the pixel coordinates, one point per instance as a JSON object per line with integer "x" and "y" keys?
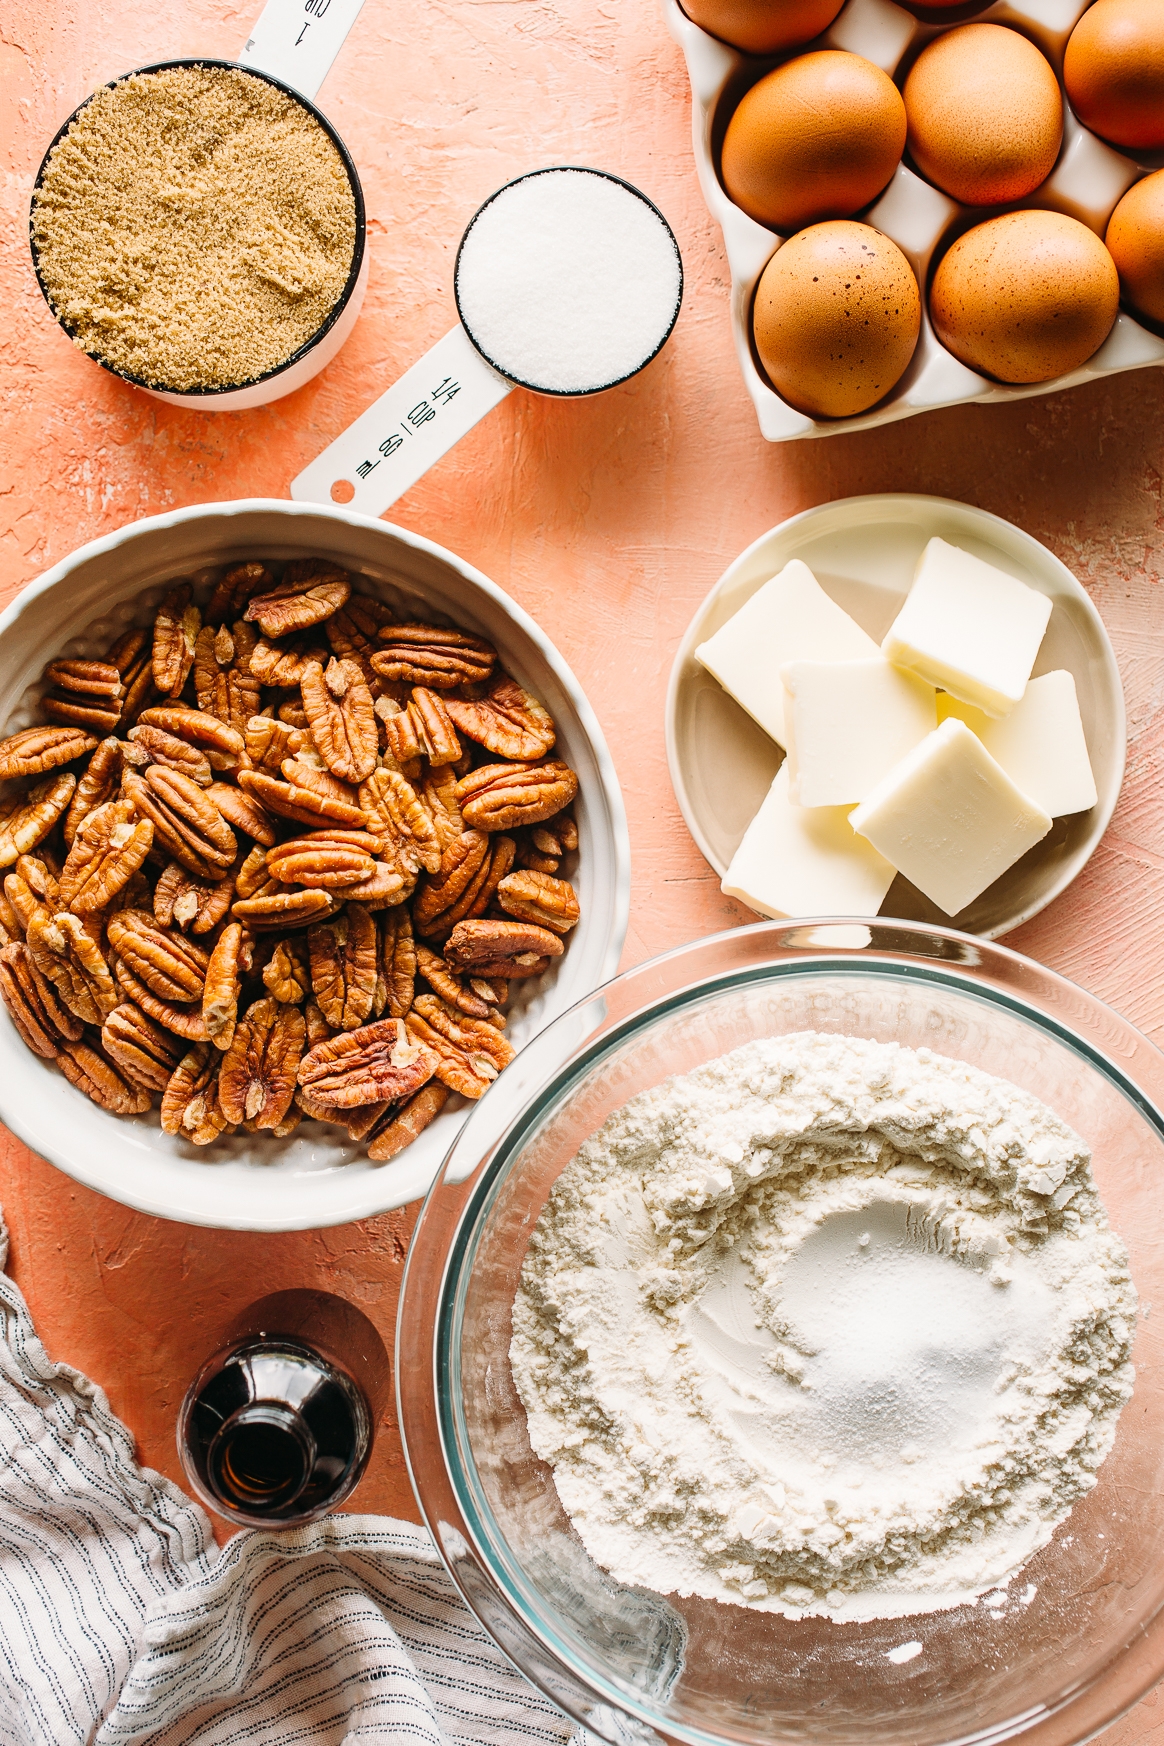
{"x": 1114, "y": 72}
{"x": 763, "y": 27}
{"x": 1025, "y": 297}
{"x": 836, "y": 318}
{"x": 1135, "y": 239}
{"x": 985, "y": 115}
{"x": 816, "y": 138}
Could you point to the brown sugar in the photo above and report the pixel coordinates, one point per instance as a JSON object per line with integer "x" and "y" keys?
{"x": 194, "y": 227}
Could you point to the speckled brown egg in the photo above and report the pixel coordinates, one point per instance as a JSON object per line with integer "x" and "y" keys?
{"x": 1135, "y": 240}
{"x": 1113, "y": 69}
{"x": 985, "y": 114}
{"x": 836, "y": 318}
{"x": 1025, "y": 297}
{"x": 816, "y": 138}
{"x": 763, "y": 27}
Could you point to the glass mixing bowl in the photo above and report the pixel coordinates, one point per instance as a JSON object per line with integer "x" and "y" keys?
{"x": 1073, "y": 1641}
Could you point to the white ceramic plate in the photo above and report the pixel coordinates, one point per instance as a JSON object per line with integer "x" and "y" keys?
{"x": 862, "y": 551}
{"x": 315, "y": 1177}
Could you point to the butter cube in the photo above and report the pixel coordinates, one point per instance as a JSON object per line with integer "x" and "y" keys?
{"x": 1040, "y": 744}
{"x": 950, "y": 818}
{"x": 790, "y": 618}
{"x": 969, "y": 628}
{"x": 848, "y": 724}
{"x": 805, "y": 861}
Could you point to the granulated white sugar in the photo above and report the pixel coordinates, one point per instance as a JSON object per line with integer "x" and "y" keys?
{"x": 827, "y": 1326}
{"x": 568, "y": 281}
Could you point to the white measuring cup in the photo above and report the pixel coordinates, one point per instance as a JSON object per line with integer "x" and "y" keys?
{"x": 292, "y": 45}
{"x": 568, "y": 281}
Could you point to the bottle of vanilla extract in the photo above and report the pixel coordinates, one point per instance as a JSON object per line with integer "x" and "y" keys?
{"x": 277, "y": 1427}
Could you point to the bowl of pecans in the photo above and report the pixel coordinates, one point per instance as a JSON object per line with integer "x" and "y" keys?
{"x": 305, "y": 828}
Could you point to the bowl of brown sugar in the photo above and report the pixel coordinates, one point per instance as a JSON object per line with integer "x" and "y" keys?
{"x": 198, "y": 229}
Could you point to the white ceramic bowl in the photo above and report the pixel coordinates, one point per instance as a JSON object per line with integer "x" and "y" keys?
{"x": 862, "y": 551}
{"x": 1088, "y": 180}
{"x": 315, "y": 1177}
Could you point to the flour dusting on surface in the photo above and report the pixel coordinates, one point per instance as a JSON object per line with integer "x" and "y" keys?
{"x": 826, "y": 1326}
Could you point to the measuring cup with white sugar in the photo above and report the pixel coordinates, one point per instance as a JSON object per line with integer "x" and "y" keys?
{"x": 568, "y": 281}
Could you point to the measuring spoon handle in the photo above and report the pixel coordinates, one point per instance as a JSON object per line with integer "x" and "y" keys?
{"x": 388, "y": 448}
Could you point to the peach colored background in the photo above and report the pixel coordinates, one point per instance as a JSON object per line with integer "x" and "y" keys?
{"x": 607, "y": 519}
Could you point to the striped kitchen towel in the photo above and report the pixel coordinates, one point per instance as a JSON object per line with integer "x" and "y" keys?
{"x": 121, "y": 1624}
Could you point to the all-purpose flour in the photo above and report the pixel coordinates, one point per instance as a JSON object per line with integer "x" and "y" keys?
{"x": 825, "y": 1326}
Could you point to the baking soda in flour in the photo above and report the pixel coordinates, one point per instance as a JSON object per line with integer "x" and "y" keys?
{"x": 827, "y": 1326}
{"x": 568, "y": 281}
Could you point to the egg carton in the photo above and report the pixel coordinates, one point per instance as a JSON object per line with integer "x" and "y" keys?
{"x": 1087, "y": 182}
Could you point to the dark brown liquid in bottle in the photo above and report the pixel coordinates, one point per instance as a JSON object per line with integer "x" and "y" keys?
{"x": 274, "y": 1429}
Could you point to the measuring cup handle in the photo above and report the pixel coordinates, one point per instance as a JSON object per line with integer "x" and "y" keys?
{"x": 297, "y": 40}
{"x": 382, "y": 455}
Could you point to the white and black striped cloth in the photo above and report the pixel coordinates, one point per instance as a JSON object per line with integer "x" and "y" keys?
{"x": 121, "y": 1624}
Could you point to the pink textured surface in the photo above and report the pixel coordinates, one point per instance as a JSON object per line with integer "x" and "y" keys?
{"x": 607, "y": 519}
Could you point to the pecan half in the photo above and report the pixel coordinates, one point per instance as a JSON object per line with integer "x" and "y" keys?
{"x": 198, "y": 728}
{"x": 163, "y": 748}
{"x": 110, "y": 846}
{"x": 434, "y": 722}
{"x": 492, "y": 946}
{"x": 452, "y": 990}
{"x": 409, "y": 1122}
{"x": 66, "y": 955}
{"x": 439, "y": 793}
{"x": 191, "y": 1105}
{"x": 173, "y": 967}
{"x": 43, "y": 1021}
{"x": 475, "y": 895}
{"x": 235, "y": 588}
{"x": 395, "y": 814}
{"x": 397, "y": 962}
{"x": 287, "y": 976}
{"x": 283, "y": 908}
{"x": 184, "y": 1021}
{"x": 86, "y": 694}
{"x": 536, "y": 897}
{"x": 303, "y": 805}
{"x": 229, "y": 962}
{"x": 310, "y": 591}
{"x": 318, "y": 1029}
{"x": 470, "y": 1052}
{"x": 223, "y": 682}
{"x": 132, "y": 655}
{"x": 268, "y": 742}
{"x": 184, "y": 902}
{"x": 354, "y": 630}
{"x": 142, "y": 1051}
{"x": 400, "y": 733}
{"x": 464, "y": 860}
{"x": 252, "y": 875}
{"x": 342, "y": 718}
{"x": 187, "y": 824}
{"x": 24, "y": 901}
{"x": 100, "y": 1080}
{"x": 243, "y": 812}
{"x": 499, "y": 797}
{"x": 176, "y": 628}
{"x": 26, "y": 819}
{"x": 343, "y": 955}
{"x": 281, "y": 666}
{"x": 291, "y": 711}
{"x": 379, "y": 1063}
{"x": 258, "y": 1075}
{"x": 507, "y": 721}
{"x": 384, "y": 888}
{"x": 325, "y": 858}
{"x": 37, "y": 749}
{"x": 433, "y": 655}
{"x": 95, "y": 787}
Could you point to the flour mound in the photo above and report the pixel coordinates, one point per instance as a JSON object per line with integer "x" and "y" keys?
{"x": 827, "y": 1326}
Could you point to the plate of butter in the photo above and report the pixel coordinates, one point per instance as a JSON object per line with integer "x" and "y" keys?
{"x": 897, "y": 705}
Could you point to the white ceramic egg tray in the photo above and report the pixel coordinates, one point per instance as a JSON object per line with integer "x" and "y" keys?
{"x": 1087, "y": 182}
